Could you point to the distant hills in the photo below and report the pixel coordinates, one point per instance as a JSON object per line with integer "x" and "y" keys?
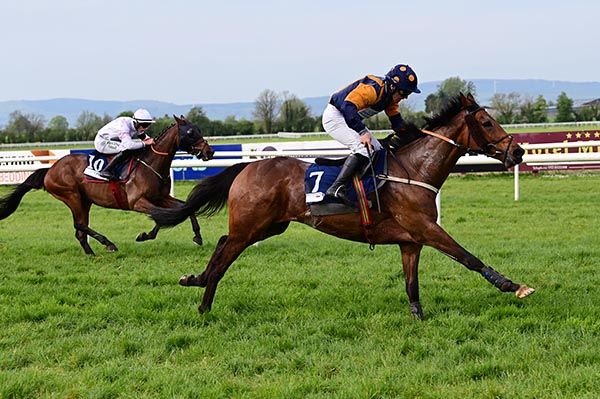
{"x": 71, "y": 108}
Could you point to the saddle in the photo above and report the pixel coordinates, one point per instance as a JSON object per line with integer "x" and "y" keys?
{"x": 97, "y": 161}
{"x": 321, "y": 175}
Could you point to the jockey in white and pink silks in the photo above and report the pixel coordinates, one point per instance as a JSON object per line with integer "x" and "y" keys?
{"x": 123, "y": 133}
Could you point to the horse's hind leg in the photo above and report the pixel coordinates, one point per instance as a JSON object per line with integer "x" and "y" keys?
{"x": 410, "y": 264}
{"x": 81, "y": 217}
{"x": 222, "y": 258}
{"x": 201, "y": 280}
{"x": 226, "y": 252}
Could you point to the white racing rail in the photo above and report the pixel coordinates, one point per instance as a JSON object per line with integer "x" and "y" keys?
{"x": 553, "y": 154}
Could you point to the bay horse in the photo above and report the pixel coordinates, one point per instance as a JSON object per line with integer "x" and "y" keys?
{"x": 264, "y": 196}
{"x": 147, "y": 186}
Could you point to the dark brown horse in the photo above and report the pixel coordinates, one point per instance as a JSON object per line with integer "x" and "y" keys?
{"x": 148, "y": 185}
{"x": 264, "y": 196}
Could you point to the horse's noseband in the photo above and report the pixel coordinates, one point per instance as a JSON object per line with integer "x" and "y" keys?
{"x": 198, "y": 146}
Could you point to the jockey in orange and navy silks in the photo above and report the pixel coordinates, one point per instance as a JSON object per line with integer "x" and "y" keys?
{"x": 343, "y": 116}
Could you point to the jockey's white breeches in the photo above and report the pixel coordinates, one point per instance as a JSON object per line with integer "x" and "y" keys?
{"x": 335, "y": 125}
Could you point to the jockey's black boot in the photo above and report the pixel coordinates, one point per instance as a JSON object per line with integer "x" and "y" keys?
{"x": 108, "y": 171}
{"x": 338, "y": 189}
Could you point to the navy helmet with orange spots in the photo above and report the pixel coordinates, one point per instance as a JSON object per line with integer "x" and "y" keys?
{"x": 401, "y": 77}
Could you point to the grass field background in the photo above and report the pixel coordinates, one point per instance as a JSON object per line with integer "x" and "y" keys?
{"x": 305, "y": 315}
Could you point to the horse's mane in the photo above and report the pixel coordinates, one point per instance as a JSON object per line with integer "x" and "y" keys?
{"x": 164, "y": 131}
{"x": 445, "y": 115}
{"x": 410, "y": 132}
{"x": 146, "y": 150}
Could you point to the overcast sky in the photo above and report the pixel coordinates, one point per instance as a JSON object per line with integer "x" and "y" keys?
{"x": 230, "y": 50}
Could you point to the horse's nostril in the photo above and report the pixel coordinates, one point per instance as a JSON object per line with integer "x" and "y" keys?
{"x": 518, "y": 152}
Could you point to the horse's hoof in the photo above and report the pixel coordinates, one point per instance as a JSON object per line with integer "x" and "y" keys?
{"x": 189, "y": 280}
{"x": 203, "y": 309}
{"x": 198, "y": 240}
{"x": 184, "y": 280}
{"x": 141, "y": 237}
{"x": 417, "y": 311}
{"x": 111, "y": 248}
{"x": 524, "y": 291}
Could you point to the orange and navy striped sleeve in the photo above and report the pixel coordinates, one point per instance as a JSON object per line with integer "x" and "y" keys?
{"x": 393, "y": 113}
{"x": 361, "y": 94}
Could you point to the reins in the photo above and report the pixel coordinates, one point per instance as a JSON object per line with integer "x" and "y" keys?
{"x": 443, "y": 138}
{"x": 158, "y": 152}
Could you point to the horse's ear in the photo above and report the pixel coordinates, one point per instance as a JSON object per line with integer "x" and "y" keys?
{"x": 177, "y": 119}
{"x": 464, "y": 100}
{"x": 470, "y": 97}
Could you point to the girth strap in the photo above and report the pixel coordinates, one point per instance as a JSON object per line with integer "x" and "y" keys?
{"x": 115, "y": 188}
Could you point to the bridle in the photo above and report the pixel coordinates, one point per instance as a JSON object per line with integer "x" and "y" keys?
{"x": 486, "y": 148}
{"x": 197, "y": 147}
{"x": 474, "y": 131}
{"x": 194, "y": 149}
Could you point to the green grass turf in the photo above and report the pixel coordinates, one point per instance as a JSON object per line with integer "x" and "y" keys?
{"x": 306, "y": 315}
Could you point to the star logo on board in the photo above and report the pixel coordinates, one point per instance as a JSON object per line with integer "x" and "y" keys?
{"x": 596, "y": 135}
{"x": 587, "y": 135}
{"x": 578, "y": 135}
{"x": 569, "y": 135}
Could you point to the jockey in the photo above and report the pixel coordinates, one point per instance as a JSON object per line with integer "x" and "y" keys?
{"x": 343, "y": 117}
{"x": 118, "y": 136}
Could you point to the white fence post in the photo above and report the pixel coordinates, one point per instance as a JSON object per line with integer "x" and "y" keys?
{"x": 516, "y": 182}
{"x": 172, "y": 178}
{"x": 438, "y": 205}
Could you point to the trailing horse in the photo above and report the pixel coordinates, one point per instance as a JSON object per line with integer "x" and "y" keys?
{"x": 264, "y": 196}
{"x": 147, "y": 186}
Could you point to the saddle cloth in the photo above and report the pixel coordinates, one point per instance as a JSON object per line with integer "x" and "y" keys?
{"x": 97, "y": 161}
{"x": 319, "y": 177}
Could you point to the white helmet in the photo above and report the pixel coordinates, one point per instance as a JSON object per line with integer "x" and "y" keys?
{"x": 143, "y": 116}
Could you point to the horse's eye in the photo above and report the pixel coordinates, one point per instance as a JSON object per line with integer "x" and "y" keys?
{"x": 487, "y": 124}
{"x": 190, "y": 132}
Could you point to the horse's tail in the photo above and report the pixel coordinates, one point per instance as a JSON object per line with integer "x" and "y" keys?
{"x": 207, "y": 198}
{"x": 11, "y": 202}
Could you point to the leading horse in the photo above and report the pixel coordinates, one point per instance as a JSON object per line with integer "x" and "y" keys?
{"x": 148, "y": 185}
{"x": 264, "y": 196}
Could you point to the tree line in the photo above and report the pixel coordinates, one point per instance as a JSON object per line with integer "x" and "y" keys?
{"x": 275, "y": 112}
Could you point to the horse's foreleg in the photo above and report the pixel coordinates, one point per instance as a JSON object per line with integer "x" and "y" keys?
{"x": 437, "y": 238}
{"x": 196, "y": 229}
{"x": 82, "y": 237}
{"x": 81, "y": 217}
{"x": 143, "y": 236}
{"x": 143, "y": 205}
{"x": 110, "y": 247}
{"x": 410, "y": 264}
